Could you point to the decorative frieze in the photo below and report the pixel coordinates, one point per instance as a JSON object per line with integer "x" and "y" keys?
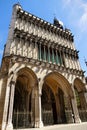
{"x": 44, "y": 25}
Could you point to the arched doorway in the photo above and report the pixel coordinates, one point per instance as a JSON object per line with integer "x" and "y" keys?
{"x": 23, "y": 110}
{"x": 80, "y": 89}
{"x": 56, "y": 100}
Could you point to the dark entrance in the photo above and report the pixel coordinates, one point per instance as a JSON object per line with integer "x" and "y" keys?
{"x": 53, "y": 106}
{"x": 49, "y": 114}
{"x": 22, "y": 105}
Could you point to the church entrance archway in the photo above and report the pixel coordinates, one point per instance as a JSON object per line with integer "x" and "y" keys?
{"x": 80, "y": 89}
{"x": 56, "y": 100}
{"x": 23, "y": 110}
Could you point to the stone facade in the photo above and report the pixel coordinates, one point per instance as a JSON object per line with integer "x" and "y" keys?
{"x": 41, "y": 81}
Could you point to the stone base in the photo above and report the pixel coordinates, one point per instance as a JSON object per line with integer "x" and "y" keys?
{"x": 9, "y": 126}
{"x": 3, "y": 126}
{"x": 77, "y": 119}
{"x": 39, "y": 124}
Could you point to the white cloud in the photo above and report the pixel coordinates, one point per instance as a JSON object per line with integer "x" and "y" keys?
{"x": 66, "y": 2}
{"x": 78, "y": 14}
{"x": 83, "y": 17}
{"x": 83, "y": 22}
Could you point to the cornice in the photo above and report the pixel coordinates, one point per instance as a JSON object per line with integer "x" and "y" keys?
{"x": 26, "y": 36}
{"x": 65, "y": 33}
{"x": 54, "y": 67}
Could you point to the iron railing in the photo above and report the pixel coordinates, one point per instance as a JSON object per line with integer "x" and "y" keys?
{"x": 83, "y": 115}
{"x": 22, "y": 119}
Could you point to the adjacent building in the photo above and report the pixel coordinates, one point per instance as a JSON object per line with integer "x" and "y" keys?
{"x": 41, "y": 81}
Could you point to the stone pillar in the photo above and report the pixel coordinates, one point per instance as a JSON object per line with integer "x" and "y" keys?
{"x": 36, "y": 109}
{"x": 38, "y": 114}
{"x": 52, "y": 55}
{"x": 44, "y": 53}
{"x": 76, "y": 67}
{"x": 64, "y": 60}
{"x": 78, "y": 64}
{"x": 72, "y": 61}
{"x": 66, "y": 64}
{"x": 74, "y": 107}
{"x": 5, "y": 112}
{"x": 40, "y": 51}
{"x": 48, "y": 54}
{"x": 32, "y": 108}
{"x": 58, "y": 108}
{"x": 61, "y": 62}
{"x": 10, "y": 109}
{"x": 36, "y": 50}
{"x": 56, "y": 57}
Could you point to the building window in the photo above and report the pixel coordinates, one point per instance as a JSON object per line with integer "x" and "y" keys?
{"x": 50, "y": 55}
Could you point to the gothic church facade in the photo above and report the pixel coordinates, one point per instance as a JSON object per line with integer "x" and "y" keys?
{"x": 41, "y": 81}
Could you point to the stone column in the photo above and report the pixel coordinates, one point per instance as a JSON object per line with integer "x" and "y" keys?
{"x": 5, "y": 112}
{"x": 36, "y": 108}
{"x": 78, "y": 64}
{"x": 48, "y": 54}
{"x": 32, "y": 108}
{"x": 40, "y": 51}
{"x": 74, "y": 107}
{"x": 61, "y": 62}
{"x": 72, "y": 61}
{"x": 36, "y": 50}
{"x": 10, "y": 109}
{"x": 75, "y": 63}
{"x": 74, "y": 66}
{"x": 70, "y": 64}
{"x": 38, "y": 114}
{"x": 44, "y": 53}
{"x": 56, "y": 57}
{"x": 52, "y": 55}
{"x": 66, "y": 60}
{"x": 58, "y": 108}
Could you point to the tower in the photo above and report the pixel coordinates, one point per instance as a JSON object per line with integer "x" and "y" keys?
{"x": 41, "y": 80}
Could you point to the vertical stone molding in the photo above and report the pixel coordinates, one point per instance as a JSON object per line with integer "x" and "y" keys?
{"x": 10, "y": 110}
{"x": 48, "y": 54}
{"x": 74, "y": 107}
{"x": 5, "y": 112}
{"x": 33, "y": 108}
{"x": 38, "y": 113}
{"x": 5, "y": 108}
{"x": 40, "y": 51}
{"x": 36, "y": 108}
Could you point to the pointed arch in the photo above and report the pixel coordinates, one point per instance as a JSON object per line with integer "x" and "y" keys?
{"x": 79, "y": 85}
{"x": 58, "y": 80}
{"x": 26, "y": 76}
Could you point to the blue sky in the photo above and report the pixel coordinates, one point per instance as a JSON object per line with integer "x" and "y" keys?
{"x": 73, "y": 14}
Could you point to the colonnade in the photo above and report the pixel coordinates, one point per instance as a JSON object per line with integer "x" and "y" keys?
{"x": 36, "y": 101}
{"x": 44, "y": 51}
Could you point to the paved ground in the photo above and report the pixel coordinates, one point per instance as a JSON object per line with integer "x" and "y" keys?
{"x": 81, "y": 126}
